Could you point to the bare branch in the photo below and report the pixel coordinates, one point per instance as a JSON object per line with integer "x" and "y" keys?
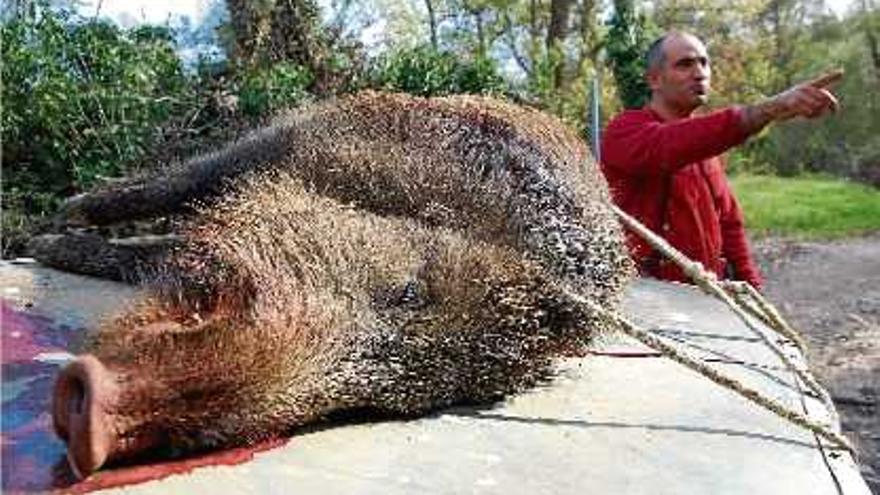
{"x": 510, "y": 41}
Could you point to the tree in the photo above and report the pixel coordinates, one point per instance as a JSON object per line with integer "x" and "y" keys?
{"x": 82, "y": 100}
{"x": 268, "y": 32}
{"x": 786, "y": 23}
{"x": 556, "y": 31}
{"x": 627, "y": 43}
{"x": 432, "y": 23}
{"x": 740, "y": 51}
{"x": 870, "y": 23}
{"x": 272, "y": 31}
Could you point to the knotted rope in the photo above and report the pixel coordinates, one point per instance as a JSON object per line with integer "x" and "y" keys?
{"x": 746, "y": 297}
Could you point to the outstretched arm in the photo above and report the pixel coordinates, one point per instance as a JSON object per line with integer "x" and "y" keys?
{"x": 639, "y": 145}
{"x": 811, "y": 100}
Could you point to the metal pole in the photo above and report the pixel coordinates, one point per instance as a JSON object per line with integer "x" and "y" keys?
{"x": 595, "y": 119}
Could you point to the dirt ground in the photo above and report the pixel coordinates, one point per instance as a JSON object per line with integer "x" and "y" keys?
{"x": 831, "y": 292}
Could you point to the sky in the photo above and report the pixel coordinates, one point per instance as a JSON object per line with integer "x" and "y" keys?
{"x": 158, "y": 11}
{"x": 149, "y": 11}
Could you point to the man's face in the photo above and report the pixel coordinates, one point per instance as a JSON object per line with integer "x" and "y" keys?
{"x": 682, "y": 81}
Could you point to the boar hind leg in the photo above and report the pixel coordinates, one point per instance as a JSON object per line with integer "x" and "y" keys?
{"x": 126, "y": 260}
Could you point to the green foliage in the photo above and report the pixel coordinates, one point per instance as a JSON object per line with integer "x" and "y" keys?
{"x": 84, "y": 100}
{"x": 541, "y": 81}
{"x": 628, "y": 40}
{"x": 846, "y": 143}
{"x": 81, "y": 99}
{"x": 425, "y": 71}
{"x": 807, "y": 206}
{"x": 264, "y": 90}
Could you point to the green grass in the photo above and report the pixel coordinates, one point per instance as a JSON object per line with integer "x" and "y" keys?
{"x": 811, "y": 207}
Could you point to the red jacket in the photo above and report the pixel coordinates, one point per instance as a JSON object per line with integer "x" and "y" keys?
{"x": 670, "y": 177}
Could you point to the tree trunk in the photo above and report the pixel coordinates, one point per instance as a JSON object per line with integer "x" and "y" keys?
{"x": 591, "y": 43}
{"x": 481, "y": 34}
{"x": 432, "y": 23}
{"x": 250, "y": 27}
{"x": 274, "y": 31}
{"x": 295, "y": 35}
{"x": 871, "y": 38}
{"x": 20, "y": 10}
{"x": 510, "y": 38}
{"x": 559, "y": 13}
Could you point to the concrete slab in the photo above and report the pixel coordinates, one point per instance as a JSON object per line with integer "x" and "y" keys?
{"x": 607, "y": 424}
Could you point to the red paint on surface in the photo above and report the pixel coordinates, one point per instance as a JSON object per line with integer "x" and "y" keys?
{"x": 18, "y": 335}
{"x": 33, "y": 458}
{"x": 150, "y": 472}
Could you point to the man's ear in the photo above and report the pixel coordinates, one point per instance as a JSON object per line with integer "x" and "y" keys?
{"x": 652, "y": 77}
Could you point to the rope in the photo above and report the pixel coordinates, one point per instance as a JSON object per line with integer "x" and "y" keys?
{"x": 709, "y": 283}
{"x": 695, "y": 364}
{"x": 762, "y": 309}
{"x": 765, "y": 311}
{"x": 749, "y": 298}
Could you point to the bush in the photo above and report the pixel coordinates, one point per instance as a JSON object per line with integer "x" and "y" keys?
{"x": 424, "y": 71}
{"x": 81, "y": 99}
{"x": 264, "y": 90}
{"x": 845, "y": 144}
{"x": 629, "y": 37}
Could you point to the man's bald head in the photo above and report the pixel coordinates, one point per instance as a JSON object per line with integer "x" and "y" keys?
{"x": 678, "y": 73}
{"x": 655, "y": 57}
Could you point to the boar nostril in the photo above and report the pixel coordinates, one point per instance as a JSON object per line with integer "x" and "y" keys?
{"x": 76, "y": 396}
{"x": 83, "y": 392}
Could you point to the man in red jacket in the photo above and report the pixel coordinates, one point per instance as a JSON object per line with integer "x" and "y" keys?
{"x": 663, "y": 166}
